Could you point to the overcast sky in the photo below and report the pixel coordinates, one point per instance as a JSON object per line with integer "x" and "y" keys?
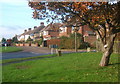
{"x": 15, "y": 16}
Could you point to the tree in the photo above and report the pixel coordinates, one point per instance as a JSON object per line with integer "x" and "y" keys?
{"x": 29, "y": 39}
{"x": 4, "y": 40}
{"x": 14, "y": 39}
{"x": 39, "y": 41}
{"x": 101, "y": 17}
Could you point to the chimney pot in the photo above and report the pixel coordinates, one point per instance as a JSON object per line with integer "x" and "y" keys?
{"x": 29, "y": 29}
{"x": 42, "y": 24}
{"x": 25, "y": 30}
{"x": 35, "y": 27}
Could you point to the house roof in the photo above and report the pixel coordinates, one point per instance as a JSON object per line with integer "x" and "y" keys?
{"x": 38, "y": 29}
{"x": 33, "y": 31}
{"x": 54, "y": 26}
{"x": 51, "y": 26}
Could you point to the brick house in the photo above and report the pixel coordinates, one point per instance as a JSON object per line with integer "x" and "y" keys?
{"x": 88, "y": 34}
{"x": 65, "y": 31}
{"x": 51, "y": 31}
{"x": 86, "y": 31}
{"x": 56, "y": 30}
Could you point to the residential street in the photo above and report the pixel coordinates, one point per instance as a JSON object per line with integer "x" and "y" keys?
{"x": 27, "y": 52}
{"x": 32, "y": 51}
{"x": 20, "y": 54}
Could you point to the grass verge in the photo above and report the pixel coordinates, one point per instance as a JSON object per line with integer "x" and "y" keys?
{"x": 74, "y": 67}
{"x": 9, "y": 49}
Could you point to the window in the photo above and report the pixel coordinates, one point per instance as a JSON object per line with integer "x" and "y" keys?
{"x": 91, "y": 33}
{"x": 45, "y": 32}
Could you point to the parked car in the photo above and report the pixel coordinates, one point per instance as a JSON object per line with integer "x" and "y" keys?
{"x": 6, "y": 44}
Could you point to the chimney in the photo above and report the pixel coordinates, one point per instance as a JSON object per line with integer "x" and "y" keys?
{"x": 29, "y": 29}
{"x": 25, "y": 30}
{"x": 42, "y": 24}
{"x": 35, "y": 27}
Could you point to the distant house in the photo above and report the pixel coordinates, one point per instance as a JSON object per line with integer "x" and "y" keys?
{"x": 37, "y": 31}
{"x": 56, "y": 30}
{"x": 33, "y": 34}
{"x": 51, "y": 31}
{"x": 21, "y": 37}
{"x": 88, "y": 34}
{"x": 65, "y": 31}
{"x": 25, "y": 35}
{"x": 86, "y": 31}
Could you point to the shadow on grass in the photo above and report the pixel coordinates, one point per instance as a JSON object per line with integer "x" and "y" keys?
{"x": 114, "y": 64}
{"x": 27, "y": 59}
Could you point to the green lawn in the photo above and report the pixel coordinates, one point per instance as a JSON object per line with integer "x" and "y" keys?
{"x": 74, "y": 67}
{"x": 9, "y": 49}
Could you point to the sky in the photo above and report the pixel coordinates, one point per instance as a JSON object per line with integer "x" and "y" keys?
{"x": 15, "y": 17}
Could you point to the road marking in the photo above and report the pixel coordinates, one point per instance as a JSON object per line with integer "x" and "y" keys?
{"x": 34, "y": 53}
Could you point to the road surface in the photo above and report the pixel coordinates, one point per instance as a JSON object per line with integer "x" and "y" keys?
{"x": 30, "y": 52}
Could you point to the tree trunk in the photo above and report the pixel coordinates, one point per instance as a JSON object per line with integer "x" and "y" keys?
{"x": 107, "y": 51}
{"x": 106, "y": 57}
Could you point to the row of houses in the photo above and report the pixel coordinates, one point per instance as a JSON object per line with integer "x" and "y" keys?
{"x": 54, "y": 31}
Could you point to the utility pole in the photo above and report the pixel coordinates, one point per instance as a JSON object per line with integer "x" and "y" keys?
{"x": 75, "y": 41}
{"x": 75, "y": 30}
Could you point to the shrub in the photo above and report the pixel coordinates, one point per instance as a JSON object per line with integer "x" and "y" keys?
{"x": 69, "y": 42}
{"x": 29, "y": 40}
{"x": 84, "y": 45}
{"x": 40, "y": 42}
{"x": 52, "y": 42}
